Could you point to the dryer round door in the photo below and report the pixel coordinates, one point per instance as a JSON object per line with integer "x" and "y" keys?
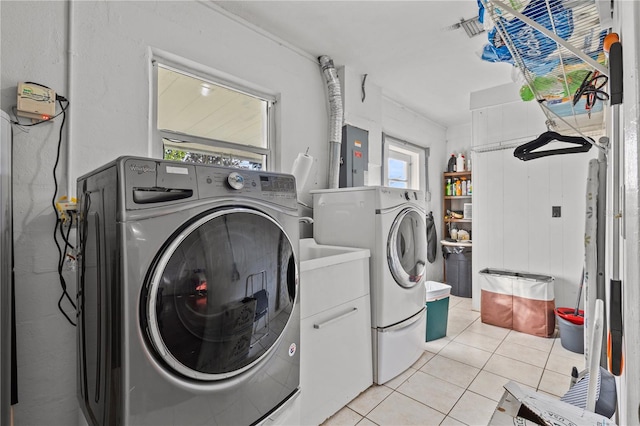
{"x": 407, "y": 248}
{"x": 220, "y": 293}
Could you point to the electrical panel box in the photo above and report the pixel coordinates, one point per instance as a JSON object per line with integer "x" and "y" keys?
{"x": 36, "y": 101}
{"x": 354, "y": 153}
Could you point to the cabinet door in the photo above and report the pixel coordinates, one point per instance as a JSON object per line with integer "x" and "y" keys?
{"x": 336, "y": 359}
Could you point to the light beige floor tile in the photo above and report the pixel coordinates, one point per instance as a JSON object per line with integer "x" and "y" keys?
{"x": 473, "y": 409}
{"x": 489, "y": 385}
{"x": 432, "y": 391}
{"x": 436, "y": 346}
{"x": 450, "y": 421}
{"x": 399, "y": 409}
{"x": 463, "y": 314}
{"x": 454, "y": 328}
{"x": 400, "y": 378}
{"x": 563, "y": 365}
{"x": 367, "y": 400}
{"x": 465, "y": 303}
{"x": 489, "y": 330}
{"x": 452, "y": 371}
{"x": 426, "y": 356}
{"x": 366, "y": 422}
{"x": 535, "y": 342}
{"x": 554, "y": 383}
{"x": 344, "y": 417}
{"x": 514, "y": 370}
{"x": 476, "y": 340}
{"x": 466, "y": 354}
{"x": 454, "y": 301}
{"x": 523, "y": 353}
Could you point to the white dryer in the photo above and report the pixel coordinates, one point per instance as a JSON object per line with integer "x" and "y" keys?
{"x": 390, "y": 222}
{"x": 187, "y": 294}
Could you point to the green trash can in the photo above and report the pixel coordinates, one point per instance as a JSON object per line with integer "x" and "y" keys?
{"x": 437, "y": 309}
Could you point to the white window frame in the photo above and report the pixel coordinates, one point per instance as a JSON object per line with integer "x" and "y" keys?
{"x": 416, "y": 156}
{"x": 190, "y": 68}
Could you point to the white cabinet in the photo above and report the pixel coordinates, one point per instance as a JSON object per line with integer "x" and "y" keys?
{"x": 335, "y": 335}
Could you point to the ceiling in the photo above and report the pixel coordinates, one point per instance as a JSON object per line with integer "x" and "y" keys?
{"x": 407, "y": 48}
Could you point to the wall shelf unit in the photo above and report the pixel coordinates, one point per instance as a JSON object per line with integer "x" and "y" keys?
{"x": 556, "y": 45}
{"x": 457, "y": 214}
{"x": 455, "y": 203}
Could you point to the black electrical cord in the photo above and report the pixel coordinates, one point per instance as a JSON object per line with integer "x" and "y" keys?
{"x": 591, "y": 87}
{"x": 61, "y": 251}
{"x": 59, "y": 98}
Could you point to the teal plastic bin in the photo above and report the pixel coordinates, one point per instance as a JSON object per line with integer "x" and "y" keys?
{"x": 437, "y": 309}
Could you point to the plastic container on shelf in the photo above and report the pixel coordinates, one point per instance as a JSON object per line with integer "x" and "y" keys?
{"x": 451, "y": 165}
{"x": 460, "y": 163}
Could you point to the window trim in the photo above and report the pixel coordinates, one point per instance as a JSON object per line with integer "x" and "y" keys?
{"x": 195, "y": 70}
{"x": 388, "y": 141}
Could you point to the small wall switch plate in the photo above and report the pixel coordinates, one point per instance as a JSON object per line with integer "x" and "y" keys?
{"x": 556, "y": 211}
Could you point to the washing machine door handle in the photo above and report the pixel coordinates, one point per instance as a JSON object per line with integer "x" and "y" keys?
{"x": 149, "y": 195}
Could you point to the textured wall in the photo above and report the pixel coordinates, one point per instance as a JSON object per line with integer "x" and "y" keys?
{"x": 110, "y": 92}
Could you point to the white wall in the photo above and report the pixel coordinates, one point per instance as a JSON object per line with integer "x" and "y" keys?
{"x": 109, "y": 88}
{"x": 459, "y": 141}
{"x": 513, "y": 227}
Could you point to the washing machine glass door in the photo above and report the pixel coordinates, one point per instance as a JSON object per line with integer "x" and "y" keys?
{"x": 220, "y": 294}
{"x": 407, "y": 247}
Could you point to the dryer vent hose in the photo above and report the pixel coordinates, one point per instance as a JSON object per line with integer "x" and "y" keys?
{"x": 336, "y": 116}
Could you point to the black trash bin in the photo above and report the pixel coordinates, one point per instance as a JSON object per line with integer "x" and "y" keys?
{"x": 457, "y": 265}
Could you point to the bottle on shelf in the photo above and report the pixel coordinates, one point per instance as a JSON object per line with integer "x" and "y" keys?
{"x": 464, "y": 186}
{"x": 447, "y": 188}
{"x": 460, "y": 163}
{"x": 469, "y": 187}
{"x": 453, "y": 232}
{"x": 458, "y": 188}
{"x": 451, "y": 165}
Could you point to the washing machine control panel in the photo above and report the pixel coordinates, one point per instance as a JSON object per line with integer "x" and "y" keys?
{"x": 214, "y": 182}
{"x": 235, "y": 180}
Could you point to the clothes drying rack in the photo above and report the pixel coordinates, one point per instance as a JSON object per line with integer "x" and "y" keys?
{"x": 552, "y": 66}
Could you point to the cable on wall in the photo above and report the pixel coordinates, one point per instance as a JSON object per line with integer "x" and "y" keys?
{"x": 62, "y": 250}
{"x": 60, "y": 238}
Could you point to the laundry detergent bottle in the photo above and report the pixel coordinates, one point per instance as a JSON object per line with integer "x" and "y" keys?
{"x": 460, "y": 163}
{"x": 451, "y": 165}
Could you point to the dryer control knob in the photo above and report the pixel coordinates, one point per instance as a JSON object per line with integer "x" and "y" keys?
{"x": 406, "y": 195}
{"x": 235, "y": 180}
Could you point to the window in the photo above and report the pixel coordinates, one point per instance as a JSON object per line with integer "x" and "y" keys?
{"x": 201, "y": 120}
{"x": 404, "y": 164}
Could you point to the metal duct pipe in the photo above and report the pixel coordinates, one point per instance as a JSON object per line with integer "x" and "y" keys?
{"x": 335, "y": 118}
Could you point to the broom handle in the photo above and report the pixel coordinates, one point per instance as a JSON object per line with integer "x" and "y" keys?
{"x": 579, "y": 293}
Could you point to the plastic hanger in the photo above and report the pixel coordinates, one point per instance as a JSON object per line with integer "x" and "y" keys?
{"x": 526, "y": 151}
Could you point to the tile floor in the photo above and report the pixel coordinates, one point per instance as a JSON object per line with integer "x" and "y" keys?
{"x": 459, "y": 378}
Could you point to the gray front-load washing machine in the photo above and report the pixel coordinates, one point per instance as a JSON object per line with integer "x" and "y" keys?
{"x": 187, "y": 294}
